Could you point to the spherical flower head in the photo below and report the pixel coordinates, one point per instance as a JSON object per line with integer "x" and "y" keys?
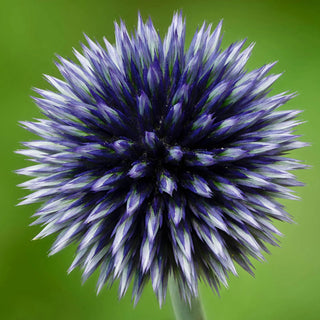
{"x": 159, "y": 161}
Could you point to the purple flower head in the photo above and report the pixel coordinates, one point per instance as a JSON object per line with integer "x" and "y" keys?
{"x": 159, "y": 161}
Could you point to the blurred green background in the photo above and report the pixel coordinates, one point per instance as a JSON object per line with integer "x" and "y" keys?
{"x": 33, "y": 286}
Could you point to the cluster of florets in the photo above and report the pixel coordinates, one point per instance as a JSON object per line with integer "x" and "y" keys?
{"x": 159, "y": 161}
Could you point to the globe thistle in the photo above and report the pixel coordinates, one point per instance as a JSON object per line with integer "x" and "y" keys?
{"x": 159, "y": 161}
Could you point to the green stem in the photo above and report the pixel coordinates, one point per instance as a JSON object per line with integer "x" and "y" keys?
{"x": 182, "y": 309}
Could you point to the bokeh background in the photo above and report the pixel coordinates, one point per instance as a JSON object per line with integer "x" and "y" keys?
{"x": 33, "y": 286}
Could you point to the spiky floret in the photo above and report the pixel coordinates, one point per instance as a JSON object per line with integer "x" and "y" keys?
{"x": 159, "y": 161}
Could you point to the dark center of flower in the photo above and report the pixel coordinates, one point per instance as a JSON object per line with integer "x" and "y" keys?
{"x": 158, "y": 162}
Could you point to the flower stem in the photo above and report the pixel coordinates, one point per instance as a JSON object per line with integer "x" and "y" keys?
{"x": 182, "y": 309}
